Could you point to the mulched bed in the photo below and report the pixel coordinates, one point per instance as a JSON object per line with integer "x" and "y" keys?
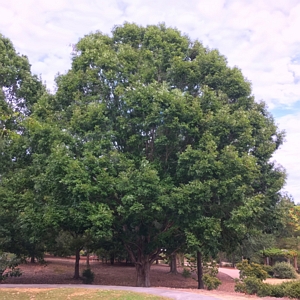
{"x": 61, "y": 271}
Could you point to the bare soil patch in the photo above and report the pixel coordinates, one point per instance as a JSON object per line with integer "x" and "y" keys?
{"x": 276, "y": 280}
{"x": 61, "y": 271}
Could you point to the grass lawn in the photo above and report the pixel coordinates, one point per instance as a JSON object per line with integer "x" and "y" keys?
{"x": 72, "y": 294}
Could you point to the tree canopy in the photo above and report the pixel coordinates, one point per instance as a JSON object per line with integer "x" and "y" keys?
{"x": 152, "y": 136}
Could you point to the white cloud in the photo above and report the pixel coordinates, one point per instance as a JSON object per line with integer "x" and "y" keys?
{"x": 288, "y": 155}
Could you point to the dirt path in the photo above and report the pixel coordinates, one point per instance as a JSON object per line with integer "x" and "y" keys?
{"x": 233, "y": 273}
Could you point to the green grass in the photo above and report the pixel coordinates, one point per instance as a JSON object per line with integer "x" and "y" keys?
{"x": 72, "y": 294}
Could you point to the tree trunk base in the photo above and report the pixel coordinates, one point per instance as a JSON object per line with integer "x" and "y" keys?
{"x": 143, "y": 274}
{"x": 76, "y": 273}
{"x": 200, "y": 271}
{"x": 173, "y": 264}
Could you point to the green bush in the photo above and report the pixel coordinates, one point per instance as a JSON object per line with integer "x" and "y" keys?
{"x": 284, "y": 270}
{"x": 88, "y": 276}
{"x": 252, "y": 275}
{"x": 265, "y": 290}
{"x": 291, "y": 289}
{"x": 239, "y": 286}
{"x": 251, "y": 270}
{"x": 269, "y": 270}
{"x": 249, "y": 285}
{"x": 211, "y": 282}
{"x": 253, "y": 286}
{"x": 8, "y": 266}
{"x": 186, "y": 273}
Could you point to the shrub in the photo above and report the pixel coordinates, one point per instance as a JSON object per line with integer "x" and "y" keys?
{"x": 291, "y": 289}
{"x": 284, "y": 270}
{"x": 265, "y": 290}
{"x": 252, "y": 285}
{"x": 269, "y": 270}
{"x": 8, "y": 266}
{"x": 210, "y": 268}
{"x": 251, "y": 270}
{"x": 210, "y": 271}
{"x": 239, "y": 286}
{"x": 88, "y": 276}
{"x": 211, "y": 282}
{"x": 186, "y": 273}
{"x": 249, "y": 285}
{"x": 277, "y": 291}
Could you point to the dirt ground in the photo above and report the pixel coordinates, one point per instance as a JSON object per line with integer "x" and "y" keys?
{"x": 60, "y": 271}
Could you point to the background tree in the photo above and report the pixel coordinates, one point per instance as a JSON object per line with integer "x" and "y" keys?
{"x": 20, "y": 222}
{"x": 70, "y": 178}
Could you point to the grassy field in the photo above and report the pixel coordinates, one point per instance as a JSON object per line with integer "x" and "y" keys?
{"x": 72, "y": 294}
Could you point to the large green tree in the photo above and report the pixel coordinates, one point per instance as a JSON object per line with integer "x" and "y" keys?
{"x": 149, "y": 135}
{"x": 179, "y": 138}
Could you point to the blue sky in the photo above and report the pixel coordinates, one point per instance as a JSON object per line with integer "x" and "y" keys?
{"x": 261, "y": 37}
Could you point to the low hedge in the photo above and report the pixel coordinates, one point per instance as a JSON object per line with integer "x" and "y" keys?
{"x": 252, "y": 285}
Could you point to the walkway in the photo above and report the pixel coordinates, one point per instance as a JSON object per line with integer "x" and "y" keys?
{"x": 233, "y": 273}
{"x": 173, "y": 294}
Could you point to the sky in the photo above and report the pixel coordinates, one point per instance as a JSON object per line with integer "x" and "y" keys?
{"x": 261, "y": 37}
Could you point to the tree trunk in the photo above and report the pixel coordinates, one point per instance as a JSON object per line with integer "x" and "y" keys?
{"x": 173, "y": 263}
{"x": 88, "y": 259}
{"x": 112, "y": 258}
{"x": 143, "y": 274}
{"x": 200, "y": 271}
{"x": 32, "y": 260}
{"x": 76, "y": 274}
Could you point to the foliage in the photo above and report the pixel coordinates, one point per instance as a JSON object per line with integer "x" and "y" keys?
{"x": 252, "y": 244}
{"x": 20, "y": 222}
{"x": 88, "y": 276}
{"x": 284, "y": 270}
{"x": 8, "y": 266}
{"x": 253, "y": 285}
{"x": 268, "y": 269}
{"x": 186, "y": 273}
{"x": 275, "y": 290}
{"x": 249, "y": 285}
{"x": 209, "y": 268}
{"x": 294, "y": 218}
{"x": 209, "y": 265}
{"x": 150, "y": 137}
{"x": 251, "y": 270}
{"x": 252, "y": 276}
{"x": 292, "y": 289}
{"x": 275, "y": 252}
{"x": 211, "y": 282}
